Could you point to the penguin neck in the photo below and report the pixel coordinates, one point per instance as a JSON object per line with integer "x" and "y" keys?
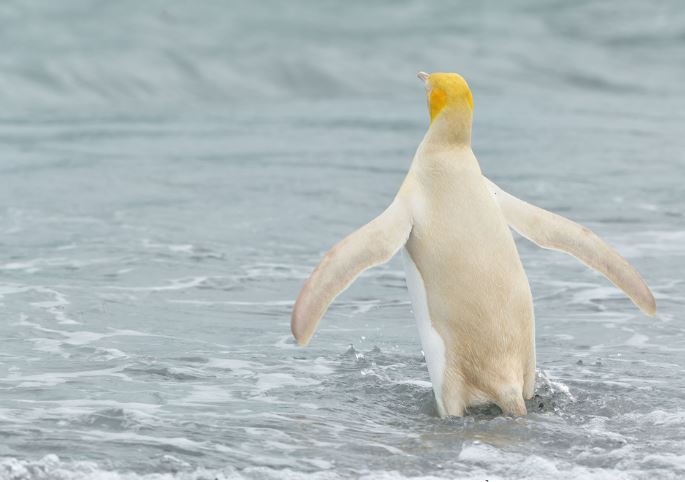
{"x": 450, "y": 129}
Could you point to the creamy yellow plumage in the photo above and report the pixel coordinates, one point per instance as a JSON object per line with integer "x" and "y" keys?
{"x": 468, "y": 288}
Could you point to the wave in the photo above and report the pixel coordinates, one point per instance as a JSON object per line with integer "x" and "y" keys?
{"x": 178, "y": 55}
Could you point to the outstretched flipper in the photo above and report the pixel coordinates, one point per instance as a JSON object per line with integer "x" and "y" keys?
{"x": 371, "y": 245}
{"x": 552, "y": 231}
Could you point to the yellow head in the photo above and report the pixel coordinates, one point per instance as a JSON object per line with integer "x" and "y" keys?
{"x": 446, "y": 92}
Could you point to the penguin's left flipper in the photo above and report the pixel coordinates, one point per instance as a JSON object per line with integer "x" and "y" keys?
{"x": 371, "y": 245}
{"x": 552, "y": 231}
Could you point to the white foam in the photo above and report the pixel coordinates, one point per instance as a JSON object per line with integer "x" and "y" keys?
{"x": 554, "y": 386}
{"x": 269, "y": 381}
{"x": 234, "y": 303}
{"x": 174, "y": 248}
{"x": 75, "y": 338}
{"x": 174, "y": 285}
{"x": 55, "y": 378}
{"x": 181, "y": 248}
{"x": 37, "y": 264}
{"x": 52, "y": 467}
{"x": 206, "y": 394}
{"x": 637, "y": 340}
{"x": 318, "y": 366}
{"x": 417, "y": 383}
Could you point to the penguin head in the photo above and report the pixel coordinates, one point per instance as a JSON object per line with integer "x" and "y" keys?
{"x": 447, "y": 92}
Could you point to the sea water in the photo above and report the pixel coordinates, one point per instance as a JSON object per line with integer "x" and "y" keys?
{"x": 171, "y": 172}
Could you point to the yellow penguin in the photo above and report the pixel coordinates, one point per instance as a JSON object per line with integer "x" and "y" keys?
{"x": 470, "y": 294}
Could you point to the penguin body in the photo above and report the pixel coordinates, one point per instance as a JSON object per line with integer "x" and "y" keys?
{"x": 469, "y": 291}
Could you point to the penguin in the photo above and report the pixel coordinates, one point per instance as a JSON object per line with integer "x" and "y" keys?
{"x": 469, "y": 291}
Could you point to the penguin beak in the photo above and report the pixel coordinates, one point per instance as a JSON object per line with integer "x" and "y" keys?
{"x": 423, "y": 76}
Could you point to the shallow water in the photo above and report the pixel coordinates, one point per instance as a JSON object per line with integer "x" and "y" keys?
{"x": 171, "y": 174}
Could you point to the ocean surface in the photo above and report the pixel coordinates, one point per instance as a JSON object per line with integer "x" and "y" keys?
{"x": 171, "y": 172}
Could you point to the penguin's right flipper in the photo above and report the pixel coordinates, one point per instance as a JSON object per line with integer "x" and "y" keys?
{"x": 552, "y": 231}
{"x": 371, "y": 245}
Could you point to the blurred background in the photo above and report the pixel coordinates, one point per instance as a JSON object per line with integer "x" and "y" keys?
{"x": 172, "y": 171}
